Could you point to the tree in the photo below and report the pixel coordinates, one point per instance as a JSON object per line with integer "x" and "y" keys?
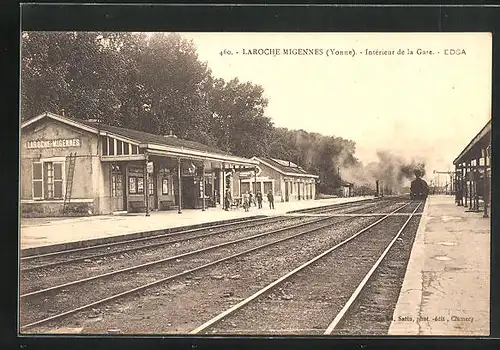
{"x": 238, "y": 122}
{"x": 156, "y": 83}
{"x": 79, "y": 72}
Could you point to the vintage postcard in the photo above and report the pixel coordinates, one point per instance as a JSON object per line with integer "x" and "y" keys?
{"x": 255, "y": 183}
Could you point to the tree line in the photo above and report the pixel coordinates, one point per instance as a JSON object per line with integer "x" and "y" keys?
{"x": 156, "y": 83}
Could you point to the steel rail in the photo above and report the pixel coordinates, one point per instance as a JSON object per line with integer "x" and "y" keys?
{"x": 154, "y": 245}
{"x": 135, "y": 240}
{"x": 156, "y": 262}
{"x": 335, "y": 206}
{"x": 229, "y": 311}
{"x": 186, "y": 272}
{"x": 68, "y": 251}
{"x": 147, "y": 246}
{"x": 363, "y": 282}
{"x": 365, "y": 204}
{"x": 349, "y": 214}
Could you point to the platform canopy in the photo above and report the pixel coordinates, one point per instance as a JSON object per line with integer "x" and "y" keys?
{"x": 475, "y": 148}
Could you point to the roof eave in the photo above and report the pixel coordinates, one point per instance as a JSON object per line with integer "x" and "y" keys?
{"x": 283, "y": 172}
{"x": 478, "y": 138}
{"x": 197, "y": 153}
{"x": 61, "y": 119}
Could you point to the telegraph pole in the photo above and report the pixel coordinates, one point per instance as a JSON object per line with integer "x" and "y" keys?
{"x": 450, "y": 173}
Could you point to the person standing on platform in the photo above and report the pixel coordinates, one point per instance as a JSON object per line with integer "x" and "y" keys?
{"x": 250, "y": 199}
{"x": 259, "y": 199}
{"x": 270, "y": 198}
{"x": 227, "y": 200}
{"x": 246, "y": 201}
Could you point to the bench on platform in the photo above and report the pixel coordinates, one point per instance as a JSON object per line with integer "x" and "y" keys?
{"x": 166, "y": 204}
{"x": 136, "y": 206}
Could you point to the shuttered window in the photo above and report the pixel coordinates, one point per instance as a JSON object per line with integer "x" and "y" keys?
{"x": 37, "y": 181}
{"x": 48, "y": 180}
{"x": 58, "y": 181}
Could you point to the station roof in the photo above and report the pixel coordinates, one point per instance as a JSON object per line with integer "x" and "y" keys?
{"x": 473, "y": 150}
{"x": 285, "y": 167}
{"x": 144, "y": 137}
{"x": 146, "y": 140}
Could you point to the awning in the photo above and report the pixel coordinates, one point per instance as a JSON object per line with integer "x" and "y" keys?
{"x": 231, "y": 160}
{"x": 473, "y": 150}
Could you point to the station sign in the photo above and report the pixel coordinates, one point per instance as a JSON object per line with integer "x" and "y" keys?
{"x": 57, "y": 143}
{"x": 246, "y": 174}
{"x": 149, "y": 167}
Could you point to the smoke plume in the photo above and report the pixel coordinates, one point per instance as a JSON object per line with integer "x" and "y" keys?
{"x": 394, "y": 171}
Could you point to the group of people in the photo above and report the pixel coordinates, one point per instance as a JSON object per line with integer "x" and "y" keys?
{"x": 248, "y": 199}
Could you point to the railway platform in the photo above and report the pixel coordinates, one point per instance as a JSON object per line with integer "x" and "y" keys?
{"x": 40, "y": 233}
{"x": 446, "y": 289}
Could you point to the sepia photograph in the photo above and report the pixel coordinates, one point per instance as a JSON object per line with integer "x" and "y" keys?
{"x": 269, "y": 184}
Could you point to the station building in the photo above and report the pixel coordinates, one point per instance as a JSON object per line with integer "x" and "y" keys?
{"x": 286, "y": 180}
{"x": 85, "y": 167}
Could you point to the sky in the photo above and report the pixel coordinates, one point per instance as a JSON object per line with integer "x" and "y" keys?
{"x": 417, "y": 106}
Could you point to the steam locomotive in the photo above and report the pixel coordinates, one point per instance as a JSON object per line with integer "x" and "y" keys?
{"x": 419, "y": 189}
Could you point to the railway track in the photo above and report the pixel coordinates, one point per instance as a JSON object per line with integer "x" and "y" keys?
{"x": 54, "y": 273}
{"x": 337, "y": 207}
{"x": 49, "y": 260}
{"x": 63, "y": 298}
{"x": 43, "y": 261}
{"x": 343, "y": 270}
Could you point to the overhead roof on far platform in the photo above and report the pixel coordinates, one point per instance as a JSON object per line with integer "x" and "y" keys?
{"x": 473, "y": 149}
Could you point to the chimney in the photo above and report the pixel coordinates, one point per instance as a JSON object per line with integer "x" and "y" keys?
{"x": 171, "y": 134}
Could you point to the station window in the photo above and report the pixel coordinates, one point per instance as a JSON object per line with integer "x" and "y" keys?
{"x": 47, "y": 180}
{"x": 245, "y": 186}
{"x": 135, "y": 185}
{"x": 104, "y": 142}
{"x": 151, "y": 186}
{"x": 126, "y": 148}
{"x": 140, "y": 185}
{"x": 165, "y": 186}
{"x": 119, "y": 147}
{"x": 268, "y": 186}
{"x": 111, "y": 147}
{"x": 132, "y": 185}
{"x": 135, "y": 149}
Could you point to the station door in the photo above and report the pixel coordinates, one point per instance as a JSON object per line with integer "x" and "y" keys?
{"x": 117, "y": 191}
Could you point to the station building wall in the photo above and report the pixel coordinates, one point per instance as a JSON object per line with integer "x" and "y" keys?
{"x": 44, "y": 169}
{"x": 272, "y": 178}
